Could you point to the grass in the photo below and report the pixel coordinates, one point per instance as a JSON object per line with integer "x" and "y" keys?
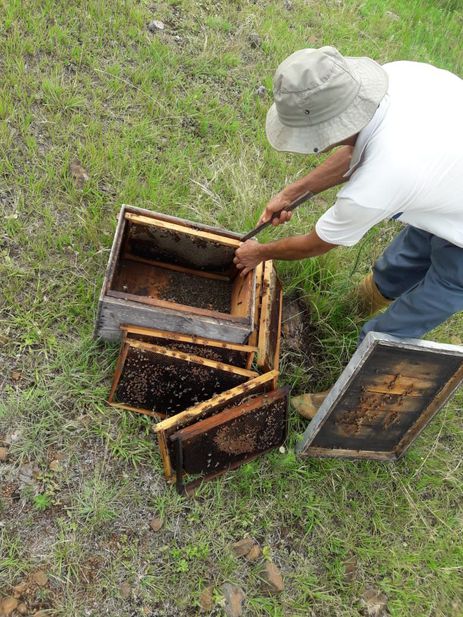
{"x": 174, "y": 125}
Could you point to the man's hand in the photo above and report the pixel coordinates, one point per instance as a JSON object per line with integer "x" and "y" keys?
{"x": 276, "y": 204}
{"x": 248, "y": 256}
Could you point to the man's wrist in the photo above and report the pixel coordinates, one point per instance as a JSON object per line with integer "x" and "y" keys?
{"x": 264, "y": 252}
{"x": 294, "y": 191}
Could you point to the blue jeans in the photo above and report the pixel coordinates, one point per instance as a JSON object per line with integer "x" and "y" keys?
{"x": 423, "y": 274}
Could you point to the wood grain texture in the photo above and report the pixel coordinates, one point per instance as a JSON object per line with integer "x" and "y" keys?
{"x": 116, "y": 311}
{"x": 386, "y": 395}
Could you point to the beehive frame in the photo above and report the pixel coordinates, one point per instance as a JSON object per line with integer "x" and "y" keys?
{"x": 231, "y": 438}
{"x": 165, "y": 428}
{"x": 166, "y": 356}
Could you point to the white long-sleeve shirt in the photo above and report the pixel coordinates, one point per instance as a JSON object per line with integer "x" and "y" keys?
{"x": 407, "y": 162}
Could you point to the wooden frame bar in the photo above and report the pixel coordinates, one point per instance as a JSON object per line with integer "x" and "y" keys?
{"x": 248, "y": 351}
{"x": 269, "y": 335}
{"x": 162, "y": 264}
{"x": 155, "y": 222}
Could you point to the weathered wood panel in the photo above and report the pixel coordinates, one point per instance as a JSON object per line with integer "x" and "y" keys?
{"x": 386, "y": 395}
{"x": 114, "y": 312}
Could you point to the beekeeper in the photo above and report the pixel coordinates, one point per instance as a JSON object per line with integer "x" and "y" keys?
{"x": 400, "y": 131}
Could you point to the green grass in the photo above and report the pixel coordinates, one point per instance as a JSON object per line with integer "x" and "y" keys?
{"x": 174, "y": 125}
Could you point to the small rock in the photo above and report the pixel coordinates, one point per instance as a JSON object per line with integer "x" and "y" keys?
{"x": 288, "y": 5}
{"x": 22, "y": 609}
{"x": 242, "y": 547}
{"x": 156, "y": 523}
{"x": 254, "y": 553}
{"x": 55, "y": 465}
{"x": 156, "y": 25}
{"x": 177, "y": 38}
{"x": 205, "y": 599}
{"x": 19, "y": 589}
{"x": 16, "y": 375}
{"x": 261, "y": 91}
{"x": 125, "y": 590}
{"x": 3, "y": 454}
{"x": 234, "y": 598}
{"x": 12, "y": 437}
{"x": 8, "y": 605}
{"x": 25, "y": 473}
{"x": 255, "y": 40}
{"x": 392, "y": 16}
{"x": 273, "y": 578}
{"x": 78, "y": 173}
{"x": 374, "y": 602}
{"x": 40, "y": 578}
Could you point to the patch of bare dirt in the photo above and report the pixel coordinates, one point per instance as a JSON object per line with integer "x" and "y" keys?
{"x": 300, "y": 343}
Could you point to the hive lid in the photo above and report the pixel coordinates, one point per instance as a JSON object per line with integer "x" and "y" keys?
{"x": 386, "y": 395}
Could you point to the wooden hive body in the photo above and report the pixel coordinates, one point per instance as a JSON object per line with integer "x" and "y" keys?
{"x": 167, "y": 273}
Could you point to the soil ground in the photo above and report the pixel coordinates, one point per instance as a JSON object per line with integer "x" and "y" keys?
{"x": 173, "y": 120}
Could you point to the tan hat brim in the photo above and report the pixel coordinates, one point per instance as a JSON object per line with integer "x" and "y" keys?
{"x": 315, "y": 138}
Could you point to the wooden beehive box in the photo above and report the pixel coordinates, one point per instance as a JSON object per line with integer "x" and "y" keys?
{"x": 171, "y": 274}
{"x": 386, "y": 395}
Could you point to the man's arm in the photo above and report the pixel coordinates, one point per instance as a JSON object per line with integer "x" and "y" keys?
{"x": 251, "y": 253}
{"x": 330, "y": 173}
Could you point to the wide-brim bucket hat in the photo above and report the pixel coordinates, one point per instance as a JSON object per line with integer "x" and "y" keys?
{"x": 322, "y": 98}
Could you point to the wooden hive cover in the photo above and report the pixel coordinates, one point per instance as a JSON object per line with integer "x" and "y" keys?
{"x": 386, "y": 395}
{"x": 234, "y": 436}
